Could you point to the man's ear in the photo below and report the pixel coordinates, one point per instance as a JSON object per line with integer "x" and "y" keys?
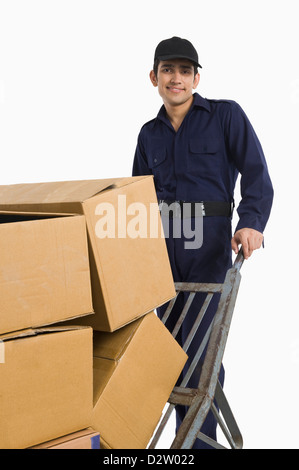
{"x": 196, "y": 80}
{"x": 153, "y": 78}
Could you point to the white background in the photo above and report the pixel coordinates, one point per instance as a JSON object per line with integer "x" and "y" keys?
{"x": 74, "y": 92}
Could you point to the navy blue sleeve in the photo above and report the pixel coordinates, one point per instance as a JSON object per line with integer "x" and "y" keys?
{"x": 140, "y": 165}
{"x": 256, "y": 186}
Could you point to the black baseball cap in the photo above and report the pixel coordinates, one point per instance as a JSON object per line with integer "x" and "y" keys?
{"x": 176, "y": 48}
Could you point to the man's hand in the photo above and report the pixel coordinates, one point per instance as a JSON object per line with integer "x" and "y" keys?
{"x": 250, "y": 240}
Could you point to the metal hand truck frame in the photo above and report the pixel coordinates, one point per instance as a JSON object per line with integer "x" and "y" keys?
{"x": 202, "y": 399}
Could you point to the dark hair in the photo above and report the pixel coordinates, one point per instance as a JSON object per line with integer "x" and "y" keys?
{"x": 157, "y": 62}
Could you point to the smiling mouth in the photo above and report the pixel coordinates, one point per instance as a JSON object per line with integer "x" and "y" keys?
{"x": 174, "y": 89}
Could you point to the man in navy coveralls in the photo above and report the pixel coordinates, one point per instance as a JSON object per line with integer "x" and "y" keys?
{"x": 195, "y": 148}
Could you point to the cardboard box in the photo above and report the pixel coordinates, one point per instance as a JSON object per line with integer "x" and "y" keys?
{"x": 130, "y": 269}
{"x": 85, "y": 439}
{"x": 45, "y": 385}
{"x": 44, "y": 270}
{"x": 135, "y": 370}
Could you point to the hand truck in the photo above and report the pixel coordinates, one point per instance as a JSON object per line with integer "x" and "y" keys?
{"x": 202, "y": 399}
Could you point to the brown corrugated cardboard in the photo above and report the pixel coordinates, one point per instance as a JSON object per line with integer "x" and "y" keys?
{"x": 44, "y": 270}
{"x": 135, "y": 370}
{"x": 103, "y": 444}
{"x": 130, "y": 271}
{"x": 85, "y": 439}
{"x": 45, "y": 385}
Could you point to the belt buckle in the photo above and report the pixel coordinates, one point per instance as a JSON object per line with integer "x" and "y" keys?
{"x": 193, "y": 209}
{"x": 199, "y": 209}
{"x": 203, "y": 211}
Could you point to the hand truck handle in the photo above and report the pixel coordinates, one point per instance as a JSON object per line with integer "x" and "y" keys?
{"x": 239, "y": 260}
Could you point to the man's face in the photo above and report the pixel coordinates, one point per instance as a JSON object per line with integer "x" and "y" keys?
{"x": 175, "y": 81}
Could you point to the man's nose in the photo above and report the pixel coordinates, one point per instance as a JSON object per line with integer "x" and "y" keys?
{"x": 176, "y": 77}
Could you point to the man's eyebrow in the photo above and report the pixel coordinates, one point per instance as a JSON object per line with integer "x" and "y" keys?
{"x": 183, "y": 66}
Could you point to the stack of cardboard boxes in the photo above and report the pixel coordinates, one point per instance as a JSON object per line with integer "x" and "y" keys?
{"x": 83, "y": 265}
{"x": 45, "y": 372}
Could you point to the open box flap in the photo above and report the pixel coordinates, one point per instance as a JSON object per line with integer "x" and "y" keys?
{"x": 38, "y": 331}
{"x": 57, "y": 192}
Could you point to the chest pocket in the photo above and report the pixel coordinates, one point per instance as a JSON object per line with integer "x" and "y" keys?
{"x": 204, "y": 156}
{"x": 156, "y": 156}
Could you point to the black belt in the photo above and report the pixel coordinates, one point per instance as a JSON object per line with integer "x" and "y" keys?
{"x": 193, "y": 209}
